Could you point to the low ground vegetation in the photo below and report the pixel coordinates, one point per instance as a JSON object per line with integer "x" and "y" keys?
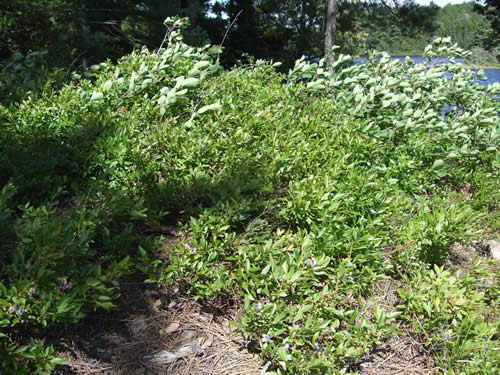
{"x": 295, "y": 194}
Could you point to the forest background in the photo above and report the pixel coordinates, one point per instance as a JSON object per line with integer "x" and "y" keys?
{"x": 46, "y": 35}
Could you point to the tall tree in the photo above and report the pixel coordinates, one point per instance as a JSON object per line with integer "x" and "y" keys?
{"x": 39, "y": 25}
{"x": 330, "y": 29}
{"x": 491, "y": 8}
{"x": 467, "y": 28}
{"x": 71, "y": 30}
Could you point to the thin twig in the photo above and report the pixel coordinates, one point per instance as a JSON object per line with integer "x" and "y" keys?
{"x": 169, "y": 30}
{"x": 266, "y": 366}
{"x": 384, "y": 361}
{"x": 225, "y": 34}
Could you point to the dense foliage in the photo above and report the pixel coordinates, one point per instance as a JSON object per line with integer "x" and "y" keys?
{"x": 70, "y": 30}
{"x": 78, "y": 33}
{"x": 288, "y": 189}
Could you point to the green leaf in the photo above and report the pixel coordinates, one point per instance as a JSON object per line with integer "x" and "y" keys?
{"x": 200, "y": 65}
{"x": 146, "y": 83}
{"x": 316, "y": 363}
{"x": 105, "y": 305}
{"x": 58, "y": 361}
{"x": 63, "y": 305}
{"x": 97, "y": 95}
{"x": 266, "y": 269}
{"x": 190, "y": 83}
{"x": 301, "y": 312}
{"x": 21, "y": 349}
{"x": 212, "y": 107}
{"x": 162, "y": 100}
{"x": 107, "y": 85}
{"x": 438, "y": 164}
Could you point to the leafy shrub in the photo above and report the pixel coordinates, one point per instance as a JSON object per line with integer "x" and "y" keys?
{"x": 23, "y": 76}
{"x": 482, "y": 57}
{"x": 452, "y": 311}
{"x": 434, "y": 227}
{"x": 403, "y": 102}
{"x": 286, "y": 196}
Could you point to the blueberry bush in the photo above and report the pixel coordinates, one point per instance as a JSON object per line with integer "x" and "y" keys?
{"x": 289, "y": 189}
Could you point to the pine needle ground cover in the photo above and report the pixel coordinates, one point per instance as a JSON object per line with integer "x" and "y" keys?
{"x": 293, "y": 197}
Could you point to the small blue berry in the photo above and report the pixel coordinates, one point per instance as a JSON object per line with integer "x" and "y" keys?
{"x": 258, "y": 307}
{"x": 280, "y": 278}
{"x": 191, "y": 249}
{"x": 316, "y": 346}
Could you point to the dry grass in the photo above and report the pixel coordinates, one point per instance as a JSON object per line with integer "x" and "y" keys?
{"x": 402, "y": 353}
{"x": 127, "y": 340}
{"x": 146, "y": 322}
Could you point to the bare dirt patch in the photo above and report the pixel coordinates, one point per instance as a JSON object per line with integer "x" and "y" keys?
{"x": 401, "y": 353}
{"x": 404, "y": 353}
{"x": 461, "y": 257}
{"x": 156, "y": 332}
{"x": 385, "y": 294}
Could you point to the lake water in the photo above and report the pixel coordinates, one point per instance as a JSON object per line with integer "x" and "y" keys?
{"x": 493, "y": 75}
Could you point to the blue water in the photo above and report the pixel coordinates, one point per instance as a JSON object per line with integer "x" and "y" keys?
{"x": 493, "y": 75}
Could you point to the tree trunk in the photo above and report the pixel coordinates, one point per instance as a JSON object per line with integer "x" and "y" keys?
{"x": 83, "y": 7}
{"x": 330, "y": 29}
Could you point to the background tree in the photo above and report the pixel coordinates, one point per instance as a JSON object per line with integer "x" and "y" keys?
{"x": 491, "y": 9}
{"x": 465, "y": 26}
{"x": 67, "y": 31}
{"x": 52, "y": 25}
{"x": 97, "y": 29}
{"x": 330, "y": 29}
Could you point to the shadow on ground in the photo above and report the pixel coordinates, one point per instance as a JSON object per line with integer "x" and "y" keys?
{"x": 156, "y": 331}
